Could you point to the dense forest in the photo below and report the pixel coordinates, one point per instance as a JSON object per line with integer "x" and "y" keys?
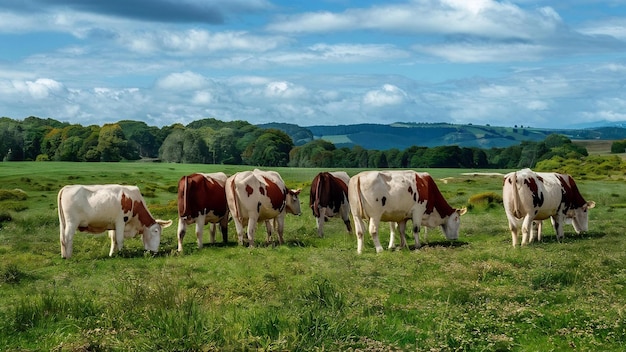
{"x": 211, "y": 141}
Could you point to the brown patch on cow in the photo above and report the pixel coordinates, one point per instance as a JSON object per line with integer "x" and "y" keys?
{"x": 538, "y": 197}
{"x": 428, "y": 192}
{"x": 571, "y": 196}
{"x": 198, "y": 194}
{"x": 249, "y": 190}
{"x": 327, "y": 191}
{"x": 261, "y": 190}
{"x": 276, "y": 195}
{"x": 126, "y": 203}
{"x": 140, "y": 210}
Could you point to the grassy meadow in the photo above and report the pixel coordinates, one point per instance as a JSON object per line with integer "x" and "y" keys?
{"x": 310, "y": 294}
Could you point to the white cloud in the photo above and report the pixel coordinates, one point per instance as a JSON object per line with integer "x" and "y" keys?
{"x": 182, "y": 81}
{"x": 39, "y": 89}
{"x": 283, "y": 89}
{"x": 387, "y": 95}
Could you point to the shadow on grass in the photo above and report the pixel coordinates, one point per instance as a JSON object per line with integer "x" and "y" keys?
{"x": 571, "y": 236}
{"x": 442, "y": 243}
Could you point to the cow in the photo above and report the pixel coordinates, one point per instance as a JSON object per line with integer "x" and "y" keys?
{"x": 202, "y": 200}
{"x": 530, "y": 196}
{"x": 397, "y": 196}
{"x": 258, "y": 195}
{"x": 96, "y": 208}
{"x": 329, "y": 198}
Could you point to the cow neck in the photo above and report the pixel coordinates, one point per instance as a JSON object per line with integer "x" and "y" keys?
{"x": 276, "y": 195}
{"x": 426, "y": 185}
{"x": 138, "y": 209}
{"x": 571, "y": 194}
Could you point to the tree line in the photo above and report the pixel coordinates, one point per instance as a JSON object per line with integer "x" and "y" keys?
{"x": 211, "y": 141}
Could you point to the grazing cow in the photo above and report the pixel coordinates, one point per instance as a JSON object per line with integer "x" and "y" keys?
{"x": 530, "y": 196}
{"x": 397, "y": 196}
{"x": 202, "y": 200}
{"x": 329, "y": 197}
{"x": 258, "y": 195}
{"x": 97, "y": 208}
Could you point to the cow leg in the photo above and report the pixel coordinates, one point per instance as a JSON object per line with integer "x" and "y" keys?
{"x": 392, "y": 234}
{"x": 358, "y": 229}
{"x": 117, "y": 237}
{"x": 514, "y": 228}
{"x": 539, "y": 229}
{"x": 416, "y": 233}
{"x": 252, "y": 222}
{"x": 239, "y": 227}
{"x": 345, "y": 215}
{"x": 270, "y": 229}
{"x": 182, "y": 229}
{"x": 212, "y": 230}
{"x": 280, "y": 224}
{"x": 67, "y": 238}
{"x": 320, "y": 222}
{"x": 526, "y": 229}
{"x": 558, "y": 222}
{"x": 200, "y": 221}
{"x": 224, "y": 228}
{"x": 374, "y": 224}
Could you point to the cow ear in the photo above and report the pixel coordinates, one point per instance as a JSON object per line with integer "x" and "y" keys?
{"x": 591, "y": 204}
{"x": 164, "y": 223}
{"x": 296, "y": 191}
{"x": 462, "y": 211}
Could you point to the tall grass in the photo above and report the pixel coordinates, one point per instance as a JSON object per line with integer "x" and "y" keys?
{"x": 312, "y": 293}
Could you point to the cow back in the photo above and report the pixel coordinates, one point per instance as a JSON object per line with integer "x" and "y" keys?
{"x": 200, "y": 193}
{"x": 327, "y": 191}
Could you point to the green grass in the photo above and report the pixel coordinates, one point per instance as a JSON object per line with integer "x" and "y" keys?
{"x": 477, "y": 293}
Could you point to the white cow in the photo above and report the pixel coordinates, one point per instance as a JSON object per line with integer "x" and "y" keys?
{"x": 97, "y": 208}
{"x": 258, "y": 195}
{"x": 397, "y": 196}
{"x": 530, "y": 196}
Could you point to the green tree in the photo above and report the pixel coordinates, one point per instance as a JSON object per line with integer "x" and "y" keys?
{"x": 112, "y": 144}
{"x": 271, "y": 148}
{"x": 172, "y": 148}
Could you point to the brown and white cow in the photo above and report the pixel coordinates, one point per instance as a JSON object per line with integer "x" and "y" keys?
{"x": 329, "y": 197}
{"x": 530, "y": 196}
{"x": 397, "y": 196}
{"x": 202, "y": 200}
{"x": 97, "y": 208}
{"x": 257, "y": 195}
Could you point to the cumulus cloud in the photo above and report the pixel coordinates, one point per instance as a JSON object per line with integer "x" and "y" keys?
{"x": 40, "y": 88}
{"x": 387, "y": 95}
{"x": 487, "y": 18}
{"x": 283, "y": 89}
{"x": 182, "y": 81}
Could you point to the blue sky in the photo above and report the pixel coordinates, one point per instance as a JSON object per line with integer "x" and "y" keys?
{"x": 535, "y": 63}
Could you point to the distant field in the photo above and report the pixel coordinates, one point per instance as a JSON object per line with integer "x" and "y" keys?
{"x": 310, "y": 294}
{"x": 601, "y": 147}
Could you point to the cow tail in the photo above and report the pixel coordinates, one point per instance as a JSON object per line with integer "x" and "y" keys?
{"x": 61, "y": 215}
{"x": 516, "y": 198}
{"x": 316, "y": 202}
{"x": 235, "y": 200}
{"x": 360, "y": 196}
{"x": 185, "y": 196}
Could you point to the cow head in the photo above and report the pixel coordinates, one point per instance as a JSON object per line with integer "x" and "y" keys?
{"x": 292, "y": 202}
{"x": 151, "y": 235}
{"x": 580, "y": 216}
{"x": 452, "y": 224}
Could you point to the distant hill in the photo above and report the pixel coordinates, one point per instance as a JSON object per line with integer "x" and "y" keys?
{"x": 404, "y": 135}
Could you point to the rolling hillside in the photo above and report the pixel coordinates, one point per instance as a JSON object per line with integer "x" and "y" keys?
{"x": 404, "y": 135}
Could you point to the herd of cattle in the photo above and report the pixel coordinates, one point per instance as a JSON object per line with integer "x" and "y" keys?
{"x": 251, "y": 197}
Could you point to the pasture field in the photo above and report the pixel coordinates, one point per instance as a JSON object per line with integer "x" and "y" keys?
{"x": 310, "y": 294}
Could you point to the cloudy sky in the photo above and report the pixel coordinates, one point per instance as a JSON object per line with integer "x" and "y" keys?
{"x": 520, "y": 62}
